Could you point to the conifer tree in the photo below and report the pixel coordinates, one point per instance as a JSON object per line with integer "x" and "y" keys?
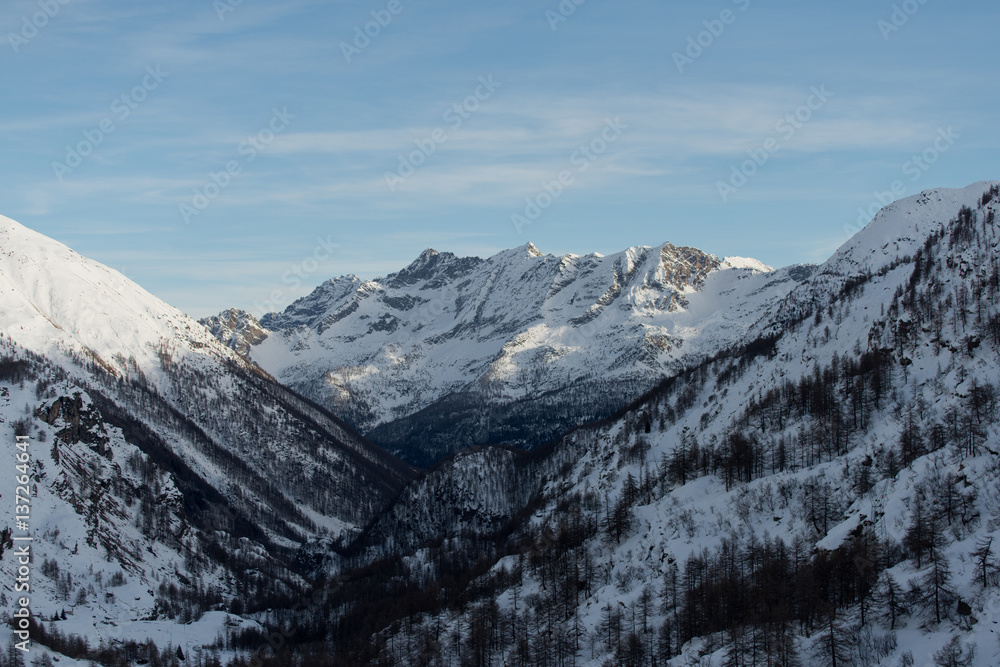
{"x": 832, "y": 646}
{"x": 982, "y": 555}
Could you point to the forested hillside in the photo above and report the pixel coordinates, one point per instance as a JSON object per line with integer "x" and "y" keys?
{"x": 825, "y": 494}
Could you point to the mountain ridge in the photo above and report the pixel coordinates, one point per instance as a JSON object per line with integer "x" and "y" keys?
{"x": 444, "y": 333}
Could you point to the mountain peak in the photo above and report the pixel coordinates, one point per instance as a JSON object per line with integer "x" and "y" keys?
{"x": 746, "y": 263}
{"x": 237, "y": 329}
{"x": 902, "y": 227}
{"x": 517, "y": 254}
{"x": 427, "y": 257}
{"x": 432, "y": 267}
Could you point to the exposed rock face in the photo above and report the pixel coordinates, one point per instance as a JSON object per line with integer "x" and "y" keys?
{"x": 237, "y": 329}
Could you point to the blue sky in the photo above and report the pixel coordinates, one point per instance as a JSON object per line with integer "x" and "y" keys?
{"x": 238, "y": 153}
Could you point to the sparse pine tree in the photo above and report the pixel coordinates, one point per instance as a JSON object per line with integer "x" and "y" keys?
{"x": 889, "y": 599}
{"x": 954, "y": 654}
{"x": 936, "y": 581}
{"x": 983, "y": 556}
{"x": 918, "y": 533}
{"x": 832, "y": 646}
{"x": 781, "y": 649}
{"x": 738, "y": 650}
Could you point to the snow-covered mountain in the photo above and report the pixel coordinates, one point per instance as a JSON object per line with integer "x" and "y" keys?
{"x": 160, "y": 455}
{"x": 808, "y": 478}
{"x": 825, "y": 492}
{"x": 453, "y": 352}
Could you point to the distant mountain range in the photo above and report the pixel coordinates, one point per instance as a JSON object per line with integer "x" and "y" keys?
{"x": 453, "y": 352}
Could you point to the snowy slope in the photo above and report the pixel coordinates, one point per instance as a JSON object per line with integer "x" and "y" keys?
{"x": 53, "y": 301}
{"x": 902, "y": 227}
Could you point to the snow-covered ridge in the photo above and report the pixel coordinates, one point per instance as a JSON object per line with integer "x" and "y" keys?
{"x": 73, "y": 311}
{"x": 902, "y": 227}
{"x": 53, "y": 300}
{"x": 746, "y": 263}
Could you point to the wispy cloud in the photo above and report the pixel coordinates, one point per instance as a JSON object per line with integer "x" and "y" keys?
{"x": 354, "y": 120}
